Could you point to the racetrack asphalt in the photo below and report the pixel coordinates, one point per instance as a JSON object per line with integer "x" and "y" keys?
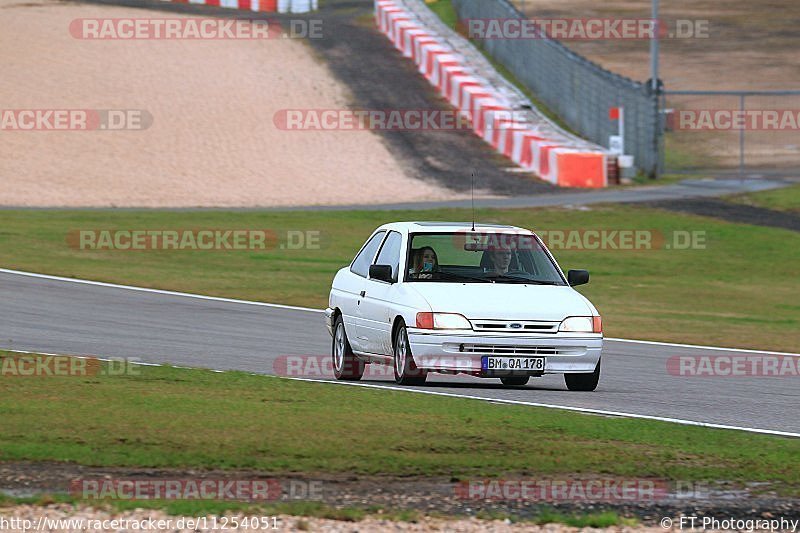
{"x": 51, "y": 315}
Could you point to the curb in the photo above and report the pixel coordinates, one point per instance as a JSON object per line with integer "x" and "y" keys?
{"x": 561, "y": 160}
{"x": 266, "y": 6}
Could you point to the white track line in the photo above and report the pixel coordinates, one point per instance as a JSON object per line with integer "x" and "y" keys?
{"x": 700, "y": 347}
{"x": 89, "y": 356}
{"x": 583, "y": 410}
{"x": 157, "y": 291}
{"x": 562, "y": 407}
{"x": 311, "y": 310}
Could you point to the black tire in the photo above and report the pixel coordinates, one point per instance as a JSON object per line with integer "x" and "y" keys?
{"x": 346, "y": 367}
{"x": 515, "y": 381}
{"x": 406, "y": 371}
{"x": 586, "y": 382}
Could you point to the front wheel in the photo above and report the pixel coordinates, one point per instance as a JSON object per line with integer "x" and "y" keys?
{"x": 515, "y": 381}
{"x": 346, "y": 366}
{"x": 583, "y": 382}
{"x": 406, "y": 371}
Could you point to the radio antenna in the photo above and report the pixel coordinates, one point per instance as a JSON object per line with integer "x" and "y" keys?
{"x": 473, "y": 200}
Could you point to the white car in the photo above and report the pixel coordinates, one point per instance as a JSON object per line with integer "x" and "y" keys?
{"x": 485, "y": 300}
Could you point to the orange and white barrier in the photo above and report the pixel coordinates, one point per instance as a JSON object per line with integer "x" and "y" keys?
{"x": 267, "y": 6}
{"x": 558, "y": 158}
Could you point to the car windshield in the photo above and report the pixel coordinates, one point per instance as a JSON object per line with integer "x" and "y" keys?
{"x": 480, "y": 257}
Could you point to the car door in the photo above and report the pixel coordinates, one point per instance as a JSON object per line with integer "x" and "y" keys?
{"x": 353, "y": 290}
{"x": 378, "y": 300}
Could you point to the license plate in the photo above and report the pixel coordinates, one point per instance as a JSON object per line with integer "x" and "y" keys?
{"x": 531, "y": 364}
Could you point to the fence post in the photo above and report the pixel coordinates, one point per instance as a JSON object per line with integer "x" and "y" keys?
{"x": 661, "y": 128}
{"x": 741, "y": 136}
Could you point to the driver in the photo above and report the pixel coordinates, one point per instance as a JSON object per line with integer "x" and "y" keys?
{"x": 501, "y": 261}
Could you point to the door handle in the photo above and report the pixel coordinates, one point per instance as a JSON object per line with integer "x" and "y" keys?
{"x": 363, "y": 293}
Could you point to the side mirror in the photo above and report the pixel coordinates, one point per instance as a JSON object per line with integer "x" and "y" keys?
{"x": 577, "y": 277}
{"x": 381, "y": 273}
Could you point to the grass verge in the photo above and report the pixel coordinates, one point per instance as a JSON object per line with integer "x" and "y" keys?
{"x": 156, "y": 418}
{"x": 786, "y": 199}
{"x": 659, "y": 294}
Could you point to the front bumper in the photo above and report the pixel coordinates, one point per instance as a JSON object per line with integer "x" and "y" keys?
{"x": 462, "y": 351}
{"x": 329, "y": 320}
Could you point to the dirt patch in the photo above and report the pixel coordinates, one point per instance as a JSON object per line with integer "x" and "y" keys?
{"x": 731, "y": 212}
{"x": 425, "y": 495}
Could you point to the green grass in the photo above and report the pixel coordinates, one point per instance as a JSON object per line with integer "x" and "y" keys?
{"x": 444, "y": 10}
{"x": 785, "y": 199}
{"x": 664, "y": 179}
{"x": 220, "y": 508}
{"x": 158, "y": 419}
{"x": 594, "y": 520}
{"x": 718, "y": 295}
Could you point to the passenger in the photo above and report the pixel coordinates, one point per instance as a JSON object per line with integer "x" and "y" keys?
{"x": 425, "y": 263}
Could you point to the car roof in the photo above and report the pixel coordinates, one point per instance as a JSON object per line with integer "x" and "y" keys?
{"x": 437, "y": 227}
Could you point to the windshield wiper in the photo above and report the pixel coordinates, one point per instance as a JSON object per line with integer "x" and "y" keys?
{"x": 518, "y": 279}
{"x": 463, "y": 277}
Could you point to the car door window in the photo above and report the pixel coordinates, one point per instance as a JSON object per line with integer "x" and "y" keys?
{"x": 390, "y": 252}
{"x": 364, "y": 258}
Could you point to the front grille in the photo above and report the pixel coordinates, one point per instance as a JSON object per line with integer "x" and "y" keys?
{"x": 504, "y": 349}
{"x": 515, "y": 326}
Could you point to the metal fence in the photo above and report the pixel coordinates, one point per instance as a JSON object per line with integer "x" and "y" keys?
{"x": 578, "y": 91}
{"x": 742, "y": 131}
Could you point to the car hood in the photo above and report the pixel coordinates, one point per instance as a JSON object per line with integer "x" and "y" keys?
{"x": 505, "y": 301}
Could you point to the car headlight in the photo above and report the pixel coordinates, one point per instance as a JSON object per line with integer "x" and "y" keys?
{"x": 442, "y": 321}
{"x": 582, "y": 324}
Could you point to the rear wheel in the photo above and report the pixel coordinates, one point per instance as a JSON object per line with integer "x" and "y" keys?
{"x": 346, "y": 366}
{"x": 515, "y": 381}
{"x": 583, "y": 382}
{"x": 406, "y": 371}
